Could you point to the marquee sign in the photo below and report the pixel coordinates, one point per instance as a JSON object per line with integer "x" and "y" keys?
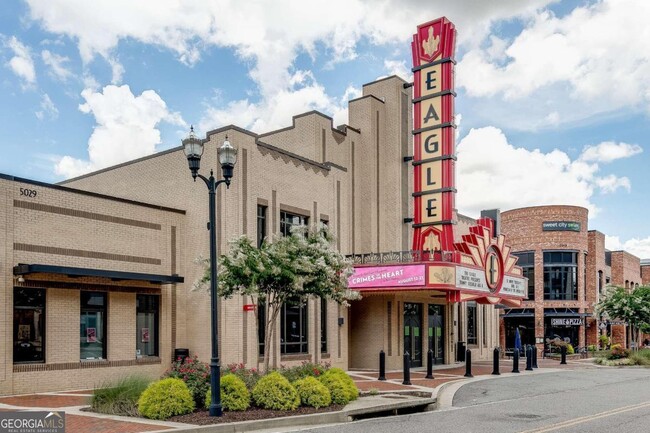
{"x": 434, "y": 156}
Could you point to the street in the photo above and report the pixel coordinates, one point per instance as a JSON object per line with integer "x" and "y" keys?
{"x": 589, "y": 400}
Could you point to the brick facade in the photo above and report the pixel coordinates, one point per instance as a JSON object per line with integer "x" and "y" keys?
{"x": 525, "y": 230}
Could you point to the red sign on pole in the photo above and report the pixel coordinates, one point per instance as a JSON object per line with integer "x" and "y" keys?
{"x": 249, "y": 307}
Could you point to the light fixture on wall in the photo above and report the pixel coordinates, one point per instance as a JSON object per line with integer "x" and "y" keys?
{"x": 20, "y": 279}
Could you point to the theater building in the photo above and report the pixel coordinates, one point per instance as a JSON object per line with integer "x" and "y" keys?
{"x": 568, "y": 270}
{"x": 97, "y": 272}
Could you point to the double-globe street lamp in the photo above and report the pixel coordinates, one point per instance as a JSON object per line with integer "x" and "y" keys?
{"x": 193, "y": 148}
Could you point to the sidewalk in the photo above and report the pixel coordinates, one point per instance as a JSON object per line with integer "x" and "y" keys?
{"x": 386, "y": 397}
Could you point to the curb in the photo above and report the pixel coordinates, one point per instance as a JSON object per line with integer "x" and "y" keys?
{"x": 342, "y": 416}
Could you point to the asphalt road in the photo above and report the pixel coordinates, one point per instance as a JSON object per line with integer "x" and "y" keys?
{"x": 589, "y": 400}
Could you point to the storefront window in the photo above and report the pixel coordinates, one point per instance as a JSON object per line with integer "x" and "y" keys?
{"x": 93, "y": 325}
{"x": 527, "y": 263}
{"x": 472, "y": 330}
{"x": 323, "y": 325}
{"x": 560, "y": 276}
{"x": 29, "y": 325}
{"x": 147, "y": 325}
{"x": 261, "y": 224}
{"x": 288, "y": 220}
{"x": 293, "y": 328}
{"x": 261, "y": 321}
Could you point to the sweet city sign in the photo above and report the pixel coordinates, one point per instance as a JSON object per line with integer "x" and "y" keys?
{"x": 479, "y": 267}
{"x": 549, "y": 226}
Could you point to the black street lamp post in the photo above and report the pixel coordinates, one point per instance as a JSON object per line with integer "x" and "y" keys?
{"x": 193, "y": 148}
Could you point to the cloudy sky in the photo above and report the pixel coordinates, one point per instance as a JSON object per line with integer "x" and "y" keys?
{"x": 553, "y": 97}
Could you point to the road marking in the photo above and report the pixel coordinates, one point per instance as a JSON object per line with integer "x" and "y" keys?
{"x": 588, "y": 418}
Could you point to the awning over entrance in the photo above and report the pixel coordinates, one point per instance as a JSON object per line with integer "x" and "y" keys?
{"x": 27, "y": 269}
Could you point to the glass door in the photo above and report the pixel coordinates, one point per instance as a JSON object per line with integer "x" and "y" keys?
{"x": 412, "y": 332}
{"x": 437, "y": 332}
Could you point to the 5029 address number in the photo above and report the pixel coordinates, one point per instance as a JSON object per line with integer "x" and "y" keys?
{"x": 28, "y": 192}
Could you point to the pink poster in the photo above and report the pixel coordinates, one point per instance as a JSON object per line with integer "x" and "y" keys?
{"x": 387, "y": 276}
{"x": 91, "y": 335}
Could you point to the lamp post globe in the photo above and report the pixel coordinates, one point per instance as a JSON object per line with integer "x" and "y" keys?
{"x": 193, "y": 149}
{"x": 227, "y": 158}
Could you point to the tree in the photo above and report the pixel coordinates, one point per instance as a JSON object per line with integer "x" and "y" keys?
{"x": 632, "y": 307}
{"x": 284, "y": 269}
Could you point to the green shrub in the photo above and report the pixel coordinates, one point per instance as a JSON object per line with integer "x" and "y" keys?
{"x": 274, "y": 391}
{"x": 195, "y": 374}
{"x": 340, "y": 385}
{"x": 569, "y": 349}
{"x": 234, "y": 394}
{"x": 312, "y": 392}
{"x": 166, "y": 398}
{"x": 592, "y": 348}
{"x": 250, "y": 376}
{"x": 121, "y": 397}
{"x": 638, "y": 358}
{"x": 306, "y": 369}
{"x": 353, "y": 391}
{"x": 604, "y": 341}
{"x": 617, "y": 352}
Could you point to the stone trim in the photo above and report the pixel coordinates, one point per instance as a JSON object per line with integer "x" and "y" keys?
{"x": 86, "y": 254}
{"x": 295, "y": 210}
{"x": 84, "y": 214}
{"x": 28, "y": 368}
{"x": 300, "y": 357}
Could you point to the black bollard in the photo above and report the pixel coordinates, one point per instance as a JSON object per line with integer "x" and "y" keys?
{"x": 382, "y": 365}
{"x": 535, "y": 357}
{"x": 515, "y": 361}
{"x": 407, "y": 369}
{"x": 563, "y": 352}
{"x": 468, "y": 363}
{"x": 429, "y": 365}
{"x": 529, "y": 358}
{"x": 495, "y": 361}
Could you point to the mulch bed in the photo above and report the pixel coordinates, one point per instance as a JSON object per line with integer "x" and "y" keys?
{"x": 202, "y": 417}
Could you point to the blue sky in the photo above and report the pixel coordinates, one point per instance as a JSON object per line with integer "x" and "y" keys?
{"x": 553, "y": 98}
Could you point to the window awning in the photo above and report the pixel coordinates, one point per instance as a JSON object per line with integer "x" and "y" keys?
{"x": 525, "y": 312}
{"x": 26, "y": 269}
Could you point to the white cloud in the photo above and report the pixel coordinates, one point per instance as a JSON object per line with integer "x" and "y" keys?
{"x": 21, "y": 63}
{"x": 57, "y": 65}
{"x": 125, "y": 130}
{"x": 494, "y": 173}
{"x": 638, "y": 247}
{"x": 48, "y": 109}
{"x": 399, "y": 68}
{"x": 567, "y": 66}
{"x": 609, "y": 151}
{"x": 304, "y": 94}
{"x": 270, "y": 35}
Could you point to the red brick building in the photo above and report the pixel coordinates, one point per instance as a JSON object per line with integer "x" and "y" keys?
{"x": 568, "y": 269}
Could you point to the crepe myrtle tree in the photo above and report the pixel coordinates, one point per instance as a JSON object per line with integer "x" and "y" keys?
{"x": 631, "y": 306}
{"x": 284, "y": 269}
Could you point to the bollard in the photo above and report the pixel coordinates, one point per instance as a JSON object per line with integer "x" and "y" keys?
{"x": 407, "y": 369}
{"x": 429, "y": 364}
{"x": 529, "y": 358}
{"x": 495, "y": 361}
{"x": 468, "y": 363}
{"x": 563, "y": 352}
{"x": 515, "y": 361}
{"x": 535, "y": 357}
{"x": 382, "y": 365}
